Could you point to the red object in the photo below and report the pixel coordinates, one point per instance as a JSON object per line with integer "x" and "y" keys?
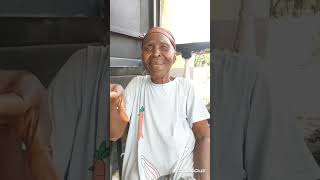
{"x": 140, "y": 135}
{"x": 99, "y": 170}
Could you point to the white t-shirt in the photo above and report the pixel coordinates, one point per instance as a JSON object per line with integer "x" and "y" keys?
{"x": 163, "y": 149}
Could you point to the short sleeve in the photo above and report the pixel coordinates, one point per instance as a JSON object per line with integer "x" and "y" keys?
{"x": 196, "y": 110}
{"x": 129, "y": 95}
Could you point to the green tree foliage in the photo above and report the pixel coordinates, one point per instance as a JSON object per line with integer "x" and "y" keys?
{"x": 202, "y": 58}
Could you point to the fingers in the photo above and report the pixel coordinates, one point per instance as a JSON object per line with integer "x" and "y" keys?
{"x": 30, "y": 88}
{"x": 114, "y": 95}
{"x": 121, "y": 107}
{"x": 11, "y": 105}
{"x": 116, "y": 90}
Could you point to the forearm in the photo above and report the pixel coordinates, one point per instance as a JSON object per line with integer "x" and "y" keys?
{"x": 42, "y": 167}
{"x": 39, "y": 157}
{"x": 117, "y": 124}
{"x": 39, "y": 150}
{"x": 202, "y": 158}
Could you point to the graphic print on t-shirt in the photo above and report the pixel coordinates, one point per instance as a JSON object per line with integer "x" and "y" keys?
{"x": 99, "y": 166}
{"x": 141, "y": 111}
{"x": 150, "y": 171}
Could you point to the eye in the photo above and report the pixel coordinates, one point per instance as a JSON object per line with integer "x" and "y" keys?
{"x": 164, "y": 47}
{"x": 147, "y": 48}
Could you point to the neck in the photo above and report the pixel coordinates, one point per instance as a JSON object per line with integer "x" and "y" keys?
{"x": 161, "y": 80}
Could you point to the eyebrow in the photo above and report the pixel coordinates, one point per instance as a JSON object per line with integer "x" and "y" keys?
{"x": 151, "y": 42}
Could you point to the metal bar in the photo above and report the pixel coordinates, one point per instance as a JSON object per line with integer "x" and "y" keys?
{"x": 124, "y": 62}
{"x": 126, "y": 32}
{"x": 119, "y": 152}
{"x": 158, "y": 12}
{"x": 154, "y": 12}
{"x": 110, "y": 164}
{"x": 151, "y": 13}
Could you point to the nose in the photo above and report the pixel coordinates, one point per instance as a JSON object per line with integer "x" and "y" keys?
{"x": 156, "y": 52}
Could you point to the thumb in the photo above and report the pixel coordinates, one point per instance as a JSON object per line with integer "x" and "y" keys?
{"x": 114, "y": 94}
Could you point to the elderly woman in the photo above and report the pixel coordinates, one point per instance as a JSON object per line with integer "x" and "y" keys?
{"x": 169, "y": 136}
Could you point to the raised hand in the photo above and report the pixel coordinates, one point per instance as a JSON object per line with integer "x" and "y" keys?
{"x": 116, "y": 90}
{"x": 117, "y": 100}
{"x": 118, "y": 116}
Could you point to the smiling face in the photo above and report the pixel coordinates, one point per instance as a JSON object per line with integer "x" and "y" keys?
{"x": 158, "y": 56}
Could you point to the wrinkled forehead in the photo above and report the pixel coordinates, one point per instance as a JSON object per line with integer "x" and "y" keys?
{"x": 156, "y": 38}
{"x": 157, "y": 32}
